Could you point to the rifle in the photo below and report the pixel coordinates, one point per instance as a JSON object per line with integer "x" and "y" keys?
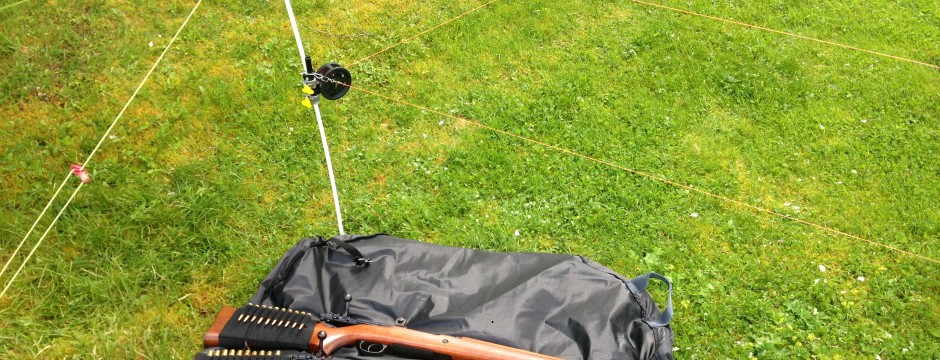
{"x": 262, "y": 327}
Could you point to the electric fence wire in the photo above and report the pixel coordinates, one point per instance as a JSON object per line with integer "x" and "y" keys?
{"x": 786, "y": 33}
{"x": 831, "y": 230}
{"x": 448, "y": 21}
{"x": 828, "y": 229}
{"x": 31, "y": 252}
{"x": 7, "y": 6}
{"x": 85, "y": 163}
{"x": 121, "y": 113}
{"x": 661, "y": 179}
{"x": 681, "y": 11}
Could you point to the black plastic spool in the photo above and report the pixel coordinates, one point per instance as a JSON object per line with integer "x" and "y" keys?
{"x": 339, "y": 74}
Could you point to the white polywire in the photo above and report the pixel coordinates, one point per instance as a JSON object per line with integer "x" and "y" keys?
{"x": 140, "y": 86}
{"x": 41, "y": 238}
{"x": 4, "y": 7}
{"x": 88, "y": 160}
{"x": 31, "y": 228}
{"x": 329, "y": 167}
{"x": 293, "y": 25}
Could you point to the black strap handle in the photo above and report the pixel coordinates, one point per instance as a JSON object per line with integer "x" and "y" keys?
{"x": 360, "y": 259}
{"x": 640, "y": 283}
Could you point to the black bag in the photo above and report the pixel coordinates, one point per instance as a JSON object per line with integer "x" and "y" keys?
{"x": 559, "y": 305}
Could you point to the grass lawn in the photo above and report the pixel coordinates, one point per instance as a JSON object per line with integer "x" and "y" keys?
{"x": 216, "y": 170}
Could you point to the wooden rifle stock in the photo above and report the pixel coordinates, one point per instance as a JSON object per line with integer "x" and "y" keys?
{"x": 452, "y": 347}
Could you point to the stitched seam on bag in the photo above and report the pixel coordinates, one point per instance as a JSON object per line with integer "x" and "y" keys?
{"x": 289, "y": 265}
{"x": 636, "y": 300}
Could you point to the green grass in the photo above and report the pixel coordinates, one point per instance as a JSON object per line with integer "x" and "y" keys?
{"x": 216, "y": 170}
